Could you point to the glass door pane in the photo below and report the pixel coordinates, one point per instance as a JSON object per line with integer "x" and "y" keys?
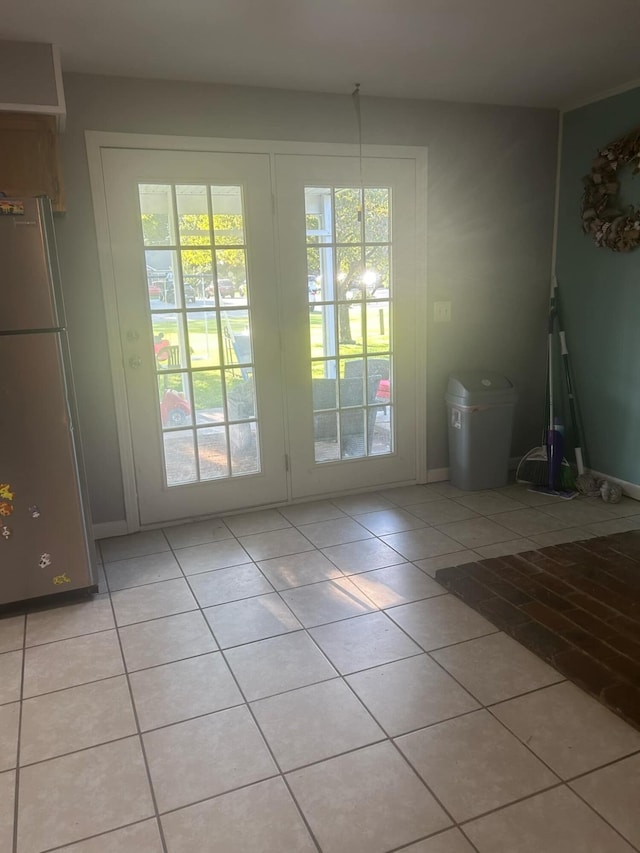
{"x": 200, "y": 311}
{"x": 347, "y": 233}
{"x": 194, "y": 279}
{"x": 349, "y": 290}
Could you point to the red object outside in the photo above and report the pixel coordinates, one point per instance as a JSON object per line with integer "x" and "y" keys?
{"x": 174, "y": 408}
{"x": 384, "y": 390}
{"x": 161, "y": 349}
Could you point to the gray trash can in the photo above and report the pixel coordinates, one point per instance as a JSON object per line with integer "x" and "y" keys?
{"x": 480, "y": 409}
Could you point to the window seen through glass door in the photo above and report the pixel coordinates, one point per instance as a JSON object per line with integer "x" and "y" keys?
{"x": 349, "y": 244}
{"x": 200, "y": 313}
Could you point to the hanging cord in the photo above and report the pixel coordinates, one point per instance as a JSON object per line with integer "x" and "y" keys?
{"x": 356, "y": 106}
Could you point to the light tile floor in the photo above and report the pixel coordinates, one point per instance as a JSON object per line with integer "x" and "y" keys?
{"x": 295, "y": 680}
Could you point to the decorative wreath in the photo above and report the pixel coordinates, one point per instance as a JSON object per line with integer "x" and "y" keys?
{"x": 609, "y": 225}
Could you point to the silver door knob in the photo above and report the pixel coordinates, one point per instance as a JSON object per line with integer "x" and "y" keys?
{"x": 135, "y": 361}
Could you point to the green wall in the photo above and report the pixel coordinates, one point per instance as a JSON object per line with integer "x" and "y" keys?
{"x": 600, "y": 292}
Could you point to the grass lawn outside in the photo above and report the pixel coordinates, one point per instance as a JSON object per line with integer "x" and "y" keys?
{"x": 204, "y": 340}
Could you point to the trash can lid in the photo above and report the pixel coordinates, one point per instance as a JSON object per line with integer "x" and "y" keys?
{"x": 476, "y": 388}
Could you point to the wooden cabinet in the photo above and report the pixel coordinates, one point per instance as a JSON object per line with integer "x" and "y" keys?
{"x": 29, "y": 157}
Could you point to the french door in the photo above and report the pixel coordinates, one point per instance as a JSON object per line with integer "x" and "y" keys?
{"x": 194, "y": 271}
{"x": 266, "y": 323}
{"x": 347, "y": 273}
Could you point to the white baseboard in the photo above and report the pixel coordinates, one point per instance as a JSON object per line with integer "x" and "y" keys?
{"x": 631, "y": 490}
{"x": 110, "y": 528}
{"x": 437, "y": 475}
{"x": 434, "y": 475}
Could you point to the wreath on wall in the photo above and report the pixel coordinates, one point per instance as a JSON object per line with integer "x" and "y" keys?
{"x": 610, "y": 226}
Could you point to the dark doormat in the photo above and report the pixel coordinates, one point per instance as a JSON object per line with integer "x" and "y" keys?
{"x": 576, "y": 606}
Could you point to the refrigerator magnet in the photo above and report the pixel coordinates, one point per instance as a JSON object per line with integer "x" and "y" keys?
{"x": 34, "y": 512}
{"x": 9, "y": 207}
{"x": 6, "y": 531}
{"x": 59, "y": 579}
{"x": 6, "y": 509}
{"x": 6, "y": 492}
{"x": 44, "y": 561}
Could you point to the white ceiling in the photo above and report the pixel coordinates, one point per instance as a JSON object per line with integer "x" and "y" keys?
{"x": 543, "y": 53}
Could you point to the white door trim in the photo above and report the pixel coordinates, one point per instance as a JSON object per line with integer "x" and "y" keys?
{"x": 96, "y": 179}
{"x": 97, "y": 140}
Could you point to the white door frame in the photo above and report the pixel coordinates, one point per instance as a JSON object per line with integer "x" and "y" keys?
{"x": 97, "y": 140}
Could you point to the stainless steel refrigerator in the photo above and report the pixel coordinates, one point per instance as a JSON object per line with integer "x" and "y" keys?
{"x": 45, "y": 543}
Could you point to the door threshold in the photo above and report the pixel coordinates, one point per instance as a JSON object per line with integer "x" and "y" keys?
{"x": 262, "y": 507}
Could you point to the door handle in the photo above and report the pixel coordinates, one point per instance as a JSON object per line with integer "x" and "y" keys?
{"x": 135, "y": 361}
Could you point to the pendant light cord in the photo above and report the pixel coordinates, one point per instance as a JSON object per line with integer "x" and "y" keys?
{"x": 356, "y": 106}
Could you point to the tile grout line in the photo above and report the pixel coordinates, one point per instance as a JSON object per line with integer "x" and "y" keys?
{"x": 322, "y": 624}
{"x": 12, "y": 651}
{"x": 319, "y": 548}
{"x": 97, "y": 835}
{"x": 433, "y": 837}
{"x": 388, "y": 738}
{"x": 488, "y": 708}
{"x": 559, "y": 784}
{"x": 336, "y": 677}
{"x": 598, "y": 814}
{"x": 555, "y": 787}
{"x": 613, "y": 762}
{"x": 562, "y": 781}
{"x": 483, "y": 707}
{"x": 73, "y": 686}
{"x": 132, "y": 556}
{"x": 574, "y": 645}
{"x": 306, "y": 630}
{"x": 249, "y": 643}
{"x": 72, "y": 637}
{"x": 16, "y": 803}
{"x": 255, "y": 722}
{"x": 82, "y": 749}
{"x": 562, "y": 784}
{"x": 137, "y": 723}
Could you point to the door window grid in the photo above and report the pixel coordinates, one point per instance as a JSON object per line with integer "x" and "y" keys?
{"x": 352, "y": 402}
{"x": 200, "y": 315}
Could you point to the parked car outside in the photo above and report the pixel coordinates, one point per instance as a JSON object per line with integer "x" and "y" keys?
{"x": 156, "y": 283}
{"x": 226, "y": 289}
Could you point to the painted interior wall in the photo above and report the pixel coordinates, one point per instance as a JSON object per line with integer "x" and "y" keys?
{"x": 490, "y": 209}
{"x": 601, "y": 295}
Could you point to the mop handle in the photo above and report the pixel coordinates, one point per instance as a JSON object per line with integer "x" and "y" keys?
{"x": 552, "y": 316}
{"x": 566, "y": 363}
{"x": 550, "y": 380}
